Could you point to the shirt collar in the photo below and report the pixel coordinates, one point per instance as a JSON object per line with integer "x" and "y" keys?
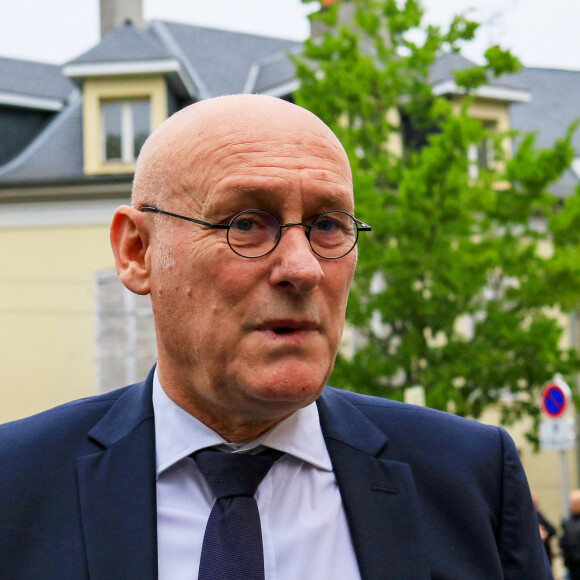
{"x": 179, "y": 434}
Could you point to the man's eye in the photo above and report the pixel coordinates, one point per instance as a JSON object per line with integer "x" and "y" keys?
{"x": 244, "y": 225}
{"x": 253, "y": 221}
{"x": 326, "y": 225}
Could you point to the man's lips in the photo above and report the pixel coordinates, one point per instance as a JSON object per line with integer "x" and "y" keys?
{"x": 287, "y": 332}
{"x": 287, "y": 326}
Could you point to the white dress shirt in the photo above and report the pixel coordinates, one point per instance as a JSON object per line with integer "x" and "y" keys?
{"x": 304, "y": 528}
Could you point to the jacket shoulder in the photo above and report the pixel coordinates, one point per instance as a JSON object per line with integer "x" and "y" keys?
{"x": 369, "y": 404}
{"x": 56, "y": 425}
{"x": 422, "y": 425}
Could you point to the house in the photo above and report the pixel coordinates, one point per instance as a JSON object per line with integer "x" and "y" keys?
{"x": 536, "y": 100}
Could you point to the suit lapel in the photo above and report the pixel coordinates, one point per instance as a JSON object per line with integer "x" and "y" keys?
{"x": 117, "y": 491}
{"x": 379, "y": 496}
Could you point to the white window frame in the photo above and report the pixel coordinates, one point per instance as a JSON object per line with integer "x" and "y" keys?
{"x": 127, "y": 135}
{"x": 473, "y": 151}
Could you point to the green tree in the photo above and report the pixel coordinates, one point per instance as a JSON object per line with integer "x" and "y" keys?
{"x": 457, "y": 287}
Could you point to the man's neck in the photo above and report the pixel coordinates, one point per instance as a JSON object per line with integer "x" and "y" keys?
{"x": 234, "y": 427}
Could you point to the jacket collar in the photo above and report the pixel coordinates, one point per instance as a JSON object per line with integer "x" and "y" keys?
{"x": 379, "y": 495}
{"x": 344, "y": 423}
{"x": 117, "y": 490}
{"x": 134, "y": 407}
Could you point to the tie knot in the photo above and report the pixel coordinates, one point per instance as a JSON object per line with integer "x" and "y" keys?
{"x": 234, "y": 474}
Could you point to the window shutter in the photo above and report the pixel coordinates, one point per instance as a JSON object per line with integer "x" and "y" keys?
{"x": 125, "y": 333}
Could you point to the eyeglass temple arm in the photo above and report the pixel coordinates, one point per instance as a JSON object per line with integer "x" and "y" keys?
{"x": 154, "y": 209}
{"x": 361, "y": 226}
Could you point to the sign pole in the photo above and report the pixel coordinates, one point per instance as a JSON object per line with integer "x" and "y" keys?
{"x": 564, "y": 489}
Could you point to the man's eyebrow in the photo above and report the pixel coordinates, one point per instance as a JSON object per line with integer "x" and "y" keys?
{"x": 334, "y": 195}
{"x": 264, "y": 200}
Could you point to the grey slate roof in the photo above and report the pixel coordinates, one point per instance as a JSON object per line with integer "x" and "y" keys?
{"x": 33, "y": 79}
{"x": 223, "y": 58}
{"x": 125, "y": 43}
{"x": 56, "y": 155}
{"x": 272, "y": 73}
{"x": 444, "y": 67}
{"x": 554, "y": 106}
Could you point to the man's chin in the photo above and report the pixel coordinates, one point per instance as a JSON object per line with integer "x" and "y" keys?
{"x": 296, "y": 386}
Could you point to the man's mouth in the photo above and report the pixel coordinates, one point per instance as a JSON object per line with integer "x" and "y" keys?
{"x": 286, "y": 326}
{"x": 285, "y": 329}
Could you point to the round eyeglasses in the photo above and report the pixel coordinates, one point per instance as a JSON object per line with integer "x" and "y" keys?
{"x": 253, "y": 233}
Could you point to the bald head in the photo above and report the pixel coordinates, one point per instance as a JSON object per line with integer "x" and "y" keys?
{"x": 181, "y": 146}
{"x": 575, "y": 502}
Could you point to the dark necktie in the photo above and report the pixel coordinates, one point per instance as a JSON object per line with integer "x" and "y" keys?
{"x": 232, "y": 545}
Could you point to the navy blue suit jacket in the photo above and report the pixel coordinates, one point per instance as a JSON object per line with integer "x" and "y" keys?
{"x": 427, "y": 494}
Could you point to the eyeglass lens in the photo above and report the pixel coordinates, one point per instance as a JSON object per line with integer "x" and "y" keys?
{"x": 255, "y": 233}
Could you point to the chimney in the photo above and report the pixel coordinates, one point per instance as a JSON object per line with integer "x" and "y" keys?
{"x": 346, "y": 12}
{"x": 346, "y": 17}
{"x": 117, "y": 12}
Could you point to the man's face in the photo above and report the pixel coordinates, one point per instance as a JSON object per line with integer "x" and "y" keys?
{"x": 251, "y": 337}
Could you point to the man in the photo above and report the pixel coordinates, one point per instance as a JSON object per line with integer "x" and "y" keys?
{"x": 230, "y": 233}
{"x": 570, "y": 539}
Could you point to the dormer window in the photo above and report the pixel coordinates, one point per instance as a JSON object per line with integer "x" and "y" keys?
{"x": 481, "y": 156}
{"x": 125, "y": 126}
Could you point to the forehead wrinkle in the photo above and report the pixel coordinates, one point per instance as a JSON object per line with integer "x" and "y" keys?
{"x": 246, "y": 137}
{"x": 319, "y": 174}
{"x": 243, "y": 172}
{"x": 262, "y": 154}
{"x": 305, "y": 179}
{"x": 329, "y": 197}
{"x": 339, "y": 190}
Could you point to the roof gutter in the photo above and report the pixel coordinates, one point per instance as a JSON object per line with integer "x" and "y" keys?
{"x": 100, "y": 69}
{"x": 492, "y": 92}
{"x": 29, "y": 102}
{"x": 102, "y": 188}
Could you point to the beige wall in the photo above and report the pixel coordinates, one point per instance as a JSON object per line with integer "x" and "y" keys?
{"x": 47, "y": 333}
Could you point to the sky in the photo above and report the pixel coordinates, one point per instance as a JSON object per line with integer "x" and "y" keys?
{"x": 542, "y": 33}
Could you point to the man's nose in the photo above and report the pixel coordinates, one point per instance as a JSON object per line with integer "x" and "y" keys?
{"x": 295, "y": 264}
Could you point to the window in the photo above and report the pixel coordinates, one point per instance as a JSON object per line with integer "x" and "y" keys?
{"x": 125, "y": 334}
{"x": 482, "y": 156}
{"x": 125, "y": 126}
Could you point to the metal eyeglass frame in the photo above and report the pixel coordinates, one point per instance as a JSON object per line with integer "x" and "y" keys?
{"x": 360, "y": 227}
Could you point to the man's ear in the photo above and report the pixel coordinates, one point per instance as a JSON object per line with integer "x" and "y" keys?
{"x": 130, "y": 242}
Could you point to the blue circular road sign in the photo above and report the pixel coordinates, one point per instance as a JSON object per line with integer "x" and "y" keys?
{"x": 554, "y": 400}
